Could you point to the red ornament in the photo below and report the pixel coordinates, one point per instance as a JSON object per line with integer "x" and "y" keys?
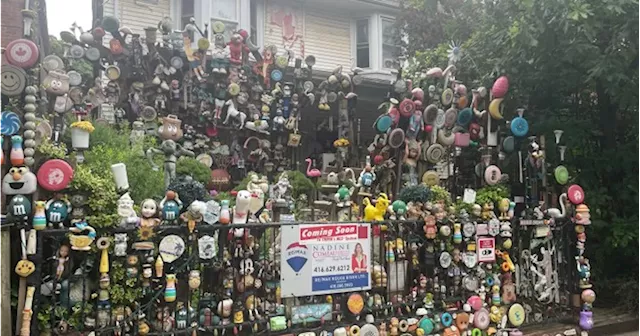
{"x": 428, "y": 128}
{"x": 98, "y": 33}
{"x": 500, "y": 87}
{"x": 55, "y": 175}
{"x": 378, "y": 159}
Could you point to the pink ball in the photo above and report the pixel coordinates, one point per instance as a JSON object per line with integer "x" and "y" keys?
{"x": 475, "y": 302}
{"x": 588, "y": 296}
{"x": 500, "y": 87}
{"x": 428, "y": 128}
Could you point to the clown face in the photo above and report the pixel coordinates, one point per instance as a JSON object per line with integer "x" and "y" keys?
{"x": 19, "y": 181}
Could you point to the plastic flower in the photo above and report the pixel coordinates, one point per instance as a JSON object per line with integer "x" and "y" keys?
{"x": 455, "y": 52}
{"x": 341, "y": 143}
{"x": 84, "y": 125}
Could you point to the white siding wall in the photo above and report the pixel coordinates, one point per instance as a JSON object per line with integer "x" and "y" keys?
{"x": 328, "y": 38}
{"x": 273, "y": 32}
{"x": 137, "y": 14}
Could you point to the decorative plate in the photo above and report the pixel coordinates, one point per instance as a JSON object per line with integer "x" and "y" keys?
{"x": 369, "y": 330}
{"x": 177, "y": 62}
{"x": 52, "y": 63}
{"x": 406, "y": 107}
{"x": 92, "y": 54}
{"x": 76, "y": 51}
{"x": 332, "y": 97}
{"x": 396, "y": 138}
{"x": 43, "y": 131}
{"x": 519, "y": 126}
{"x": 308, "y": 86}
{"x": 447, "y": 97}
{"x": 430, "y": 113}
{"x": 10, "y": 123}
{"x": 207, "y": 247}
{"x": 203, "y": 43}
{"x": 435, "y": 153}
{"x": 171, "y": 248}
{"x": 282, "y": 61}
{"x": 430, "y": 178}
{"x": 492, "y": 175}
{"x": 276, "y": 75}
{"x": 575, "y": 194}
{"x": 205, "y": 159}
{"x": 561, "y": 174}
{"x": 148, "y": 113}
{"x": 383, "y": 123}
{"x": 112, "y": 72}
{"x": 450, "y": 117}
{"x": 110, "y": 23}
{"x": 75, "y": 78}
{"x": 22, "y": 53}
{"x": 13, "y": 80}
{"x": 516, "y": 315}
{"x": 465, "y": 116}
{"x": 440, "y": 120}
{"x": 481, "y": 319}
{"x": 234, "y": 89}
{"x": 445, "y": 259}
{"x": 55, "y": 175}
{"x": 218, "y": 27}
{"x": 508, "y": 144}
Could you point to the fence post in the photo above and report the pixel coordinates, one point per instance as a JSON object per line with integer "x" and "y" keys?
{"x": 5, "y": 282}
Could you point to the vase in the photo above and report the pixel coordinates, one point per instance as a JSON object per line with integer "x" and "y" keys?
{"x": 586, "y": 320}
{"x": 79, "y": 138}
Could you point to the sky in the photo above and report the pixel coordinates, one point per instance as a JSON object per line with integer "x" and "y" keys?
{"x": 62, "y": 13}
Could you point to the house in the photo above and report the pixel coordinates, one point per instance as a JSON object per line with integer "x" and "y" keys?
{"x": 350, "y": 33}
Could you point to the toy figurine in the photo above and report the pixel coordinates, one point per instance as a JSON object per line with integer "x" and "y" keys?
{"x": 397, "y": 209}
{"x": 19, "y": 181}
{"x": 282, "y": 189}
{"x": 430, "y": 229}
{"x": 219, "y": 55}
{"x": 82, "y": 242}
{"x": 193, "y": 215}
{"x": 343, "y": 196}
{"x": 16, "y": 156}
{"x": 194, "y": 279}
{"x": 225, "y": 214}
{"x": 237, "y": 46}
{"x": 63, "y": 258}
{"x": 171, "y": 206}
{"x": 233, "y": 113}
{"x": 503, "y": 206}
{"x": 170, "y": 289}
{"x": 241, "y": 209}
{"x": 495, "y": 295}
{"x": 367, "y": 177}
{"x": 457, "y": 234}
{"x": 39, "y": 217}
{"x": 195, "y": 60}
{"x": 120, "y": 246}
{"x": 132, "y": 265}
{"x": 584, "y": 271}
{"x": 171, "y": 151}
{"x": 224, "y": 310}
{"x": 487, "y": 211}
{"x": 148, "y": 211}
{"x": 57, "y": 210}
{"x": 159, "y": 266}
{"x": 126, "y": 212}
{"x": 376, "y": 213}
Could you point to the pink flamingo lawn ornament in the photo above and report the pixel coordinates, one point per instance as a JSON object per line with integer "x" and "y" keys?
{"x": 312, "y": 172}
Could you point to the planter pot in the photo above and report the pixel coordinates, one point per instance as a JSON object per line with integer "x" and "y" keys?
{"x": 79, "y": 138}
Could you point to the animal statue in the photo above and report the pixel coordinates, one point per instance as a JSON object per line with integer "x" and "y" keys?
{"x": 312, "y": 172}
{"x": 375, "y": 213}
{"x": 232, "y": 112}
{"x": 556, "y": 213}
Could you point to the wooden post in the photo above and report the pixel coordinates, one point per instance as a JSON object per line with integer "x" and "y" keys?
{"x": 5, "y": 282}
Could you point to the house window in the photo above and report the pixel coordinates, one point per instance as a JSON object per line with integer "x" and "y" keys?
{"x": 389, "y": 43}
{"x": 362, "y": 43}
{"x": 254, "y": 23}
{"x": 226, "y": 10}
{"x": 187, "y": 12}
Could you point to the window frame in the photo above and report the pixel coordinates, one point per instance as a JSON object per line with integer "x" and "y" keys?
{"x": 354, "y": 40}
{"x": 380, "y": 37}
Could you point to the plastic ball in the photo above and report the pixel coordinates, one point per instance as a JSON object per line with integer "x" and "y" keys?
{"x": 475, "y": 302}
{"x": 428, "y": 128}
{"x": 588, "y": 296}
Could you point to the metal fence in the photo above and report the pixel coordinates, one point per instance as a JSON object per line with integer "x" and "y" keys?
{"x": 70, "y": 296}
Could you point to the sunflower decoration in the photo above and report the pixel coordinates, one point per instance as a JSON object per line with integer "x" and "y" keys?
{"x": 146, "y": 232}
{"x": 454, "y": 53}
{"x": 342, "y": 142}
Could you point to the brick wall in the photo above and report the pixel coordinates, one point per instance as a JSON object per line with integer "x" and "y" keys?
{"x": 11, "y": 21}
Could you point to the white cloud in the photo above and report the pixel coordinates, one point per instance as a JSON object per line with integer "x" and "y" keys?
{"x": 62, "y": 13}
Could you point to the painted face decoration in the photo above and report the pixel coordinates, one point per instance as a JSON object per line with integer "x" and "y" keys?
{"x": 56, "y": 83}
{"x": 19, "y": 181}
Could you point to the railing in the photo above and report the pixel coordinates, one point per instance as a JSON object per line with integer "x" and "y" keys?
{"x": 255, "y": 284}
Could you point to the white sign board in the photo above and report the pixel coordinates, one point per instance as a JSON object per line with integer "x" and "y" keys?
{"x": 325, "y": 259}
{"x": 486, "y": 249}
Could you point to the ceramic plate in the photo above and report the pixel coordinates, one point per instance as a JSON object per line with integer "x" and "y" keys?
{"x": 13, "y": 80}
{"x": 171, "y": 248}
{"x": 52, "y": 62}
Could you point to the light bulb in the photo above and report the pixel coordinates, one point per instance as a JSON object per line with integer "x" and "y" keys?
{"x": 558, "y": 134}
